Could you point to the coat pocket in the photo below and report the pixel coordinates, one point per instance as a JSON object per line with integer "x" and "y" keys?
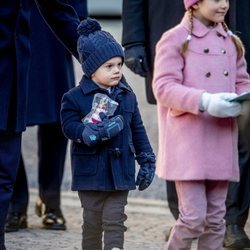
{"x": 84, "y": 161}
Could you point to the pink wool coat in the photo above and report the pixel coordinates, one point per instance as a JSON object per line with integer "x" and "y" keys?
{"x": 194, "y": 145}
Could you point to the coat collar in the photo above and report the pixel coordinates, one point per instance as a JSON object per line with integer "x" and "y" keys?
{"x": 88, "y": 86}
{"x": 199, "y": 29}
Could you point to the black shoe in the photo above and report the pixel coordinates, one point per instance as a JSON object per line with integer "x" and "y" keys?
{"x": 51, "y": 218}
{"x": 236, "y": 237}
{"x": 15, "y": 221}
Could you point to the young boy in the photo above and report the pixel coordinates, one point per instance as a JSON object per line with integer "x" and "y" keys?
{"x": 103, "y": 153}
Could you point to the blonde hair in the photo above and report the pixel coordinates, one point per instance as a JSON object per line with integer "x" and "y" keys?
{"x": 236, "y": 40}
{"x": 184, "y": 46}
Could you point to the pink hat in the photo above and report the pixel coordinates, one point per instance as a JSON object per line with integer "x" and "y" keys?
{"x": 189, "y": 3}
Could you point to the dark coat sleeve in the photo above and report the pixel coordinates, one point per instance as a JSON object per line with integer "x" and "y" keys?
{"x": 63, "y": 20}
{"x": 243, "y": 26}
{"x": 133, "y": 15}
{"x": 71, "y": 115}
{"x": 80, "y": 7}
{"x": 140, "y": 138}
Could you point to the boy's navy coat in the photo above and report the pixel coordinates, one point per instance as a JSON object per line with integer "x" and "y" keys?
{"x": 15, "y": 52}
{"x": 111, "y": 164}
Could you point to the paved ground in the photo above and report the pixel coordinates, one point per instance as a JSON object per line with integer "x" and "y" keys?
{"x": 147, "y": 223}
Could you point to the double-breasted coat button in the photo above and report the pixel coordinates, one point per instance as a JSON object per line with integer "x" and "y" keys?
{"x": 225, "y": 73}
{"x": 116, "y": 152}
{"x": 206, "y": 50}
{"x": 208, "y": 74}
{"x": 223, "y": 51}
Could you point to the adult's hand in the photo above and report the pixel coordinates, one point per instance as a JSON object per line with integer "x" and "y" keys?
{"x": 136, "y": 59}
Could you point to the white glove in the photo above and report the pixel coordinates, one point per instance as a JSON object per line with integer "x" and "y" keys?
{"x": 219, "y": 104}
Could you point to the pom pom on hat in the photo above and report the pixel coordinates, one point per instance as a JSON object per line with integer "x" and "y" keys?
{"x": 189, "y": 3}
{"x": 88, "y": 26}
{"x": 95, "y": 46}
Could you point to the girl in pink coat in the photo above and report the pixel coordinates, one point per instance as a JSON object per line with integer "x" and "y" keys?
{"x": 199, "y": 68}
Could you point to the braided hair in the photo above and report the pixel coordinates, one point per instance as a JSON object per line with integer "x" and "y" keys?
{"x": 236, "y": 40}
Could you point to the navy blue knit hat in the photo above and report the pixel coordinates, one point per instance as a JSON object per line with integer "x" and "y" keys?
{"x": 95, "y": 46}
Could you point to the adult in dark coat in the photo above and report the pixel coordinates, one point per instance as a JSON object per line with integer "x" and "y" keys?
{"x": 51, "y": 74}
{"x": 14, "y": 64}
{"x": 143, "y": 24}
{"x": 238, "y": 199}
{"x": 144, "y": 21}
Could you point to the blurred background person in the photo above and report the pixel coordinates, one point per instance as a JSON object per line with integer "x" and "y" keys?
{"x": 238, "y": 198}
{"x": 51, "y": 74}
{"x": 143, "y": 24}
{"x": 14, "y": 60}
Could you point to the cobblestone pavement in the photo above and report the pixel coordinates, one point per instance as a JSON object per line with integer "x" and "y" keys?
{"x": 148, "y": 221}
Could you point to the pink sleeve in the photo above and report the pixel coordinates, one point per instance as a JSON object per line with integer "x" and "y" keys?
{"x": 168, "y": 81}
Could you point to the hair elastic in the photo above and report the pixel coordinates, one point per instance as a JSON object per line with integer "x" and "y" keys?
{"x": 189, "y": 37}
{"x": 229, "y": 32}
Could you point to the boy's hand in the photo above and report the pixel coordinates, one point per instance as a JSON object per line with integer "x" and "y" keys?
{"x": 110, "y": 127}
{"x": 94, "y": 133}
{"x": 145, "y": 175}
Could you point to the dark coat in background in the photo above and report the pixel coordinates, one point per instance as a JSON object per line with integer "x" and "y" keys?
{"x": 144, "y": 21}
{"x": 15, "y": 53}
{"x": 238, "y": 21}
{"x": 14, "y": 68}
{"x": 51, "y": 74}
{"x": 51, "y": 71}
{"x": 111, "y": 164}
{"x": 238, "y": 199}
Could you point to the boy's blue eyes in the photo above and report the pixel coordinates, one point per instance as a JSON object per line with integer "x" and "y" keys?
{"x": 111, "y": 65}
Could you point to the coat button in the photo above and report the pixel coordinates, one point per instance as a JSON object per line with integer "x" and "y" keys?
{"x": 206, "y": 50}
{"x": 208, "y": 74}
{"x": 116, "y": 152}
{"x": 223, "y": 51}
{"x": 225, "y": 73}
{"x": 218, "y": 34}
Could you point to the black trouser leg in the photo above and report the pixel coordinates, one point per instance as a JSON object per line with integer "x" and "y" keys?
{"x": 2, "y": 246}
{"x": 113, "y": 220}
{"x": 238, "y": 197}
{"x": 92, "y": 230}
{"x": 103, "y": 213}
{"x": 172, "y": 199}
{"x": 52, "y": 151}
{"x": 20, "y": 197}
{"x": 10, "y": 149}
